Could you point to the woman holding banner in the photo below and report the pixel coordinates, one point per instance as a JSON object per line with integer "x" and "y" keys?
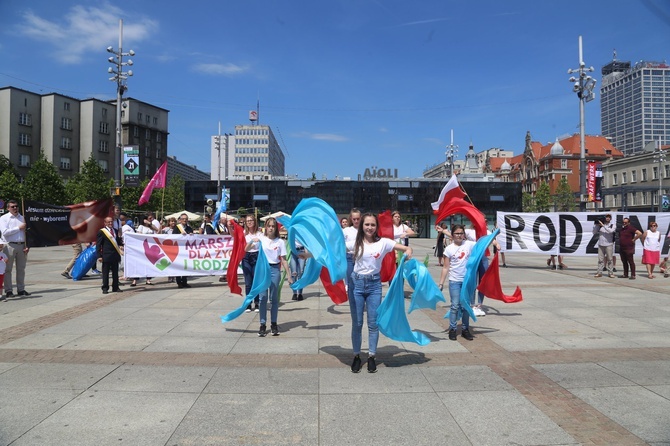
{"x": 651, "y": 242}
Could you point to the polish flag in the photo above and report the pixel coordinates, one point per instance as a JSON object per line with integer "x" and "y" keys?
{"x": 452, "y": 201}
{"x": 385, "y": 229}
{"x": 157, "y": 182}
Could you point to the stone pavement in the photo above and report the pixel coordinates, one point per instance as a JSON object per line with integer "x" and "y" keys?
{"x": 581, "y": 360}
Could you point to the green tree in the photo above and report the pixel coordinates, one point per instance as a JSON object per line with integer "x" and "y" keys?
{"x": 565, "y": 199}
{"x": 527, "y": 202}
{"x": 5, "y": 164}
{"x": 10, "y": 188}
{"x": 89, "y": 183}
{"x": 174, "y": 195}
{"x": 542, "y": 198}
{"x": 172, "y": 201}
{"x": 43, "y": 183}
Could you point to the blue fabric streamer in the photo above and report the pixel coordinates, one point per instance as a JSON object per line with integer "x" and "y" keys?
{"x": 470, "y": 280}
{"x": 391, "y": 317}
{"x": 84, "y": 262}
{"x": 222, "y": 208}
{"x": 260, "y": 284}
{"x": 426, "y": 293}
{"x": 316, "y": 226}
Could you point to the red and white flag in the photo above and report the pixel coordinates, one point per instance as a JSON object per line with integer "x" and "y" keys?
{"x": 452, "y": 201}
{"x": 157, "y": 182}
{"x": 451, "y": 190}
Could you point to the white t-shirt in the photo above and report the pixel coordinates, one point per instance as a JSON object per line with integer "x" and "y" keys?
{"x": 273, "y": 248}
{"x": 458, "y": 256}
{"x": 141, "y": 229}
{"x": 3, "y": 262}
{"x": 249, "y": 237}
{"x": 349, "y": 236}
{"x": 398, "y": 231}
{"x": 373, "y": 255}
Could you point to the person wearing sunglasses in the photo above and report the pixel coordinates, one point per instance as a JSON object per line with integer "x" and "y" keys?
{"x": 13, "y": 230}
{"x": 456, "y": 257}
{"x": 651, "y": 243}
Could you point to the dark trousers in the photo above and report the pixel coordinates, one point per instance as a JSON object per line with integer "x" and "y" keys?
{"x": 182, "y": 281}
{"x": 106, "y": 268}
{"x": 248, "y": 267}
{"x": 628, "y": 261}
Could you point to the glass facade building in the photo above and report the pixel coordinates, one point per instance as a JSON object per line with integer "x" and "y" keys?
{"x": 635, "y": 105}
{"x": 412, "y": 198}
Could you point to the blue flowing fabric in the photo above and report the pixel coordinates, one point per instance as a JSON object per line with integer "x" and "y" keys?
{"x": 391, "y": 317}
{"x": 316, "y": 226}
{"x": 220, "y": 210}
{"x": 470, "y": 280}
{"x": 426, "y": 293}
{"x": 84, "y": 262}
{"x": 261, "y": 283}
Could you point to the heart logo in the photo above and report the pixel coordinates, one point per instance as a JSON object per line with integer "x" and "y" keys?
{"x": 170, "y": 248}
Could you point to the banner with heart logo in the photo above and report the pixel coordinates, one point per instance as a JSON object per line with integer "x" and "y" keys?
{"x": 152, "y": 255}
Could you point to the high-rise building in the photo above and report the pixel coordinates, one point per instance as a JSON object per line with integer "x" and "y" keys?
{"x": 70, "y": 130}
{"x": 252, "y": 152}
{"x": 635, "y": 105}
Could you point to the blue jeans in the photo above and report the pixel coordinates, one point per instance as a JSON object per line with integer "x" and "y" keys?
{"x": 297, "y": 268}
{"x": 367, "y": 292}
{"x": 481, "y": 269}
{"x": 248, "y": 266}
{"x": 274, "y": 296}
{"x": 350, "y": 280}
{"x": 455, "y": 295}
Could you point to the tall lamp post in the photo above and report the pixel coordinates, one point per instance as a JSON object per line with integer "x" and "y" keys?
{"x": 451, "y": 152}
{"x": 659, "y": 157}
{"x": 583, "y": 86}
{"x": 120, "y": 78}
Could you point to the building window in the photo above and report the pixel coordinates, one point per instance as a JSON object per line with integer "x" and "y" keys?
{"x": 155, "y": 120}
{"x": 614, "y": 179}
{"x": 654, "y": 172}
{"x": 136, "y": 132}
{"x": 147, "y": 151}
{"x": 104, "y": 165}
{"x": 158, "y": 154}
{"x": 624, "y": 178}
{"x": 667, "y": 171}
{"x": 644, "y": 174}
{"x": 148, "y": 119}
{"x": 64, "y": 163}
{"x": 644, "y": 198}
{"x": 104, "y": 112}
{"x": 147, "y": 134}
{"x": 104, "y": 128}
{"x": 24, "y": 160}
{"x": 24, "y": 139}
{"x": 25, "y": 119}
{"x": 564, "y": 164}
{"x": 66, "y": 123}
{"x": 66, "y": 106}
{"x": 103, "y": 146}
{"x": 159, "y": 137}
{"x": 139, "y": 116}
{"x": 633, "y": 176}
{"x": 65, "y": 143}
{"x": 146, "y": 170}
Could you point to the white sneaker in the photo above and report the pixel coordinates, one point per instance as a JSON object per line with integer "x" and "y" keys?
{"x": 479, "y": 312}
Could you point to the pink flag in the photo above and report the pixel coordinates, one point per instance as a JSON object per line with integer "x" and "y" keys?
{"x": 158, "y": 181}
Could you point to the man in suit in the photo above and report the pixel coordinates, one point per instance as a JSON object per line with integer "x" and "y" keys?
{"x": 108, "y": 245}
{"x": 183, "y": 228}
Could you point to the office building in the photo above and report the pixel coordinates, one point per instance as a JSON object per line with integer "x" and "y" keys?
{"x": 185, "y": 171}
{"x": 635, "y": 105}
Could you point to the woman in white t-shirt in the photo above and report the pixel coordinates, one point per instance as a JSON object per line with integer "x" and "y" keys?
{"x": 400, "y": 230}
{"x": 456, "y": 257}
{"x": 274, "y": 249}
{"x": 368, "y": 252}
{"x": 251, "y": 232}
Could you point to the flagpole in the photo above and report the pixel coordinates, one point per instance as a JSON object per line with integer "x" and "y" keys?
{"x": 163, "y": 203}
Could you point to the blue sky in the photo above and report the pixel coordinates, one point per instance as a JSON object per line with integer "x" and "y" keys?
{"x": 345, "y": 84}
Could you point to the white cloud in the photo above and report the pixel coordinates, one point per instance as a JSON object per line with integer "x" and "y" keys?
{"x": 85, "y": 29}
{"x": 226, "y": 69}
{"x": 321, "y": 136}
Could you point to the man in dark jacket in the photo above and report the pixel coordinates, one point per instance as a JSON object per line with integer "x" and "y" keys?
{"x": 108, "y": 246}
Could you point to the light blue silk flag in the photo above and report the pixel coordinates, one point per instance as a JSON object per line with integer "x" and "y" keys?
{"x": 261, "y": 283}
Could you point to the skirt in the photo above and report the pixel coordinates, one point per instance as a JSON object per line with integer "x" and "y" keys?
{"x": 651, "y": 257}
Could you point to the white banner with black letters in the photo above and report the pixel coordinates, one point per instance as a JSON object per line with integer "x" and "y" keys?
{"x": 569, "y": 233}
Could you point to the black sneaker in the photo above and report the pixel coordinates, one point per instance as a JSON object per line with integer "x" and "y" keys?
{"x": 262, "y": 332}
{"x": 275, "y": 329}
{"x": 295, "y": 296}
{"x": 613, "y": 270}
{"x": 66, "y": 275}
{"x": 356, "y": 365}
{"x": 467, "y": 335}
{"x": 372, "y": 365}
{"x": 23, "y": 293}
{"x": 9, "y": 294}
{"x": 300, "y": 297}
{"x": 452, "y": 335}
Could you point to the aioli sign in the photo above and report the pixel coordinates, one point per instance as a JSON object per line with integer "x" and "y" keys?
{"x": 152, "y": 255}
{"x": 569, "y": 233}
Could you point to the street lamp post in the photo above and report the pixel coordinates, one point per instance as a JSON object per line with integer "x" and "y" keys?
{"x": 583, "y": 86}
{"x": 451, "y": 152}
{"x": 120, "y": 78}
{"x": 659, "y": 157}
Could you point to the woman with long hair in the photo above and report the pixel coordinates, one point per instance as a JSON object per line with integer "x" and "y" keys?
{"x": 251, "y": 233}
